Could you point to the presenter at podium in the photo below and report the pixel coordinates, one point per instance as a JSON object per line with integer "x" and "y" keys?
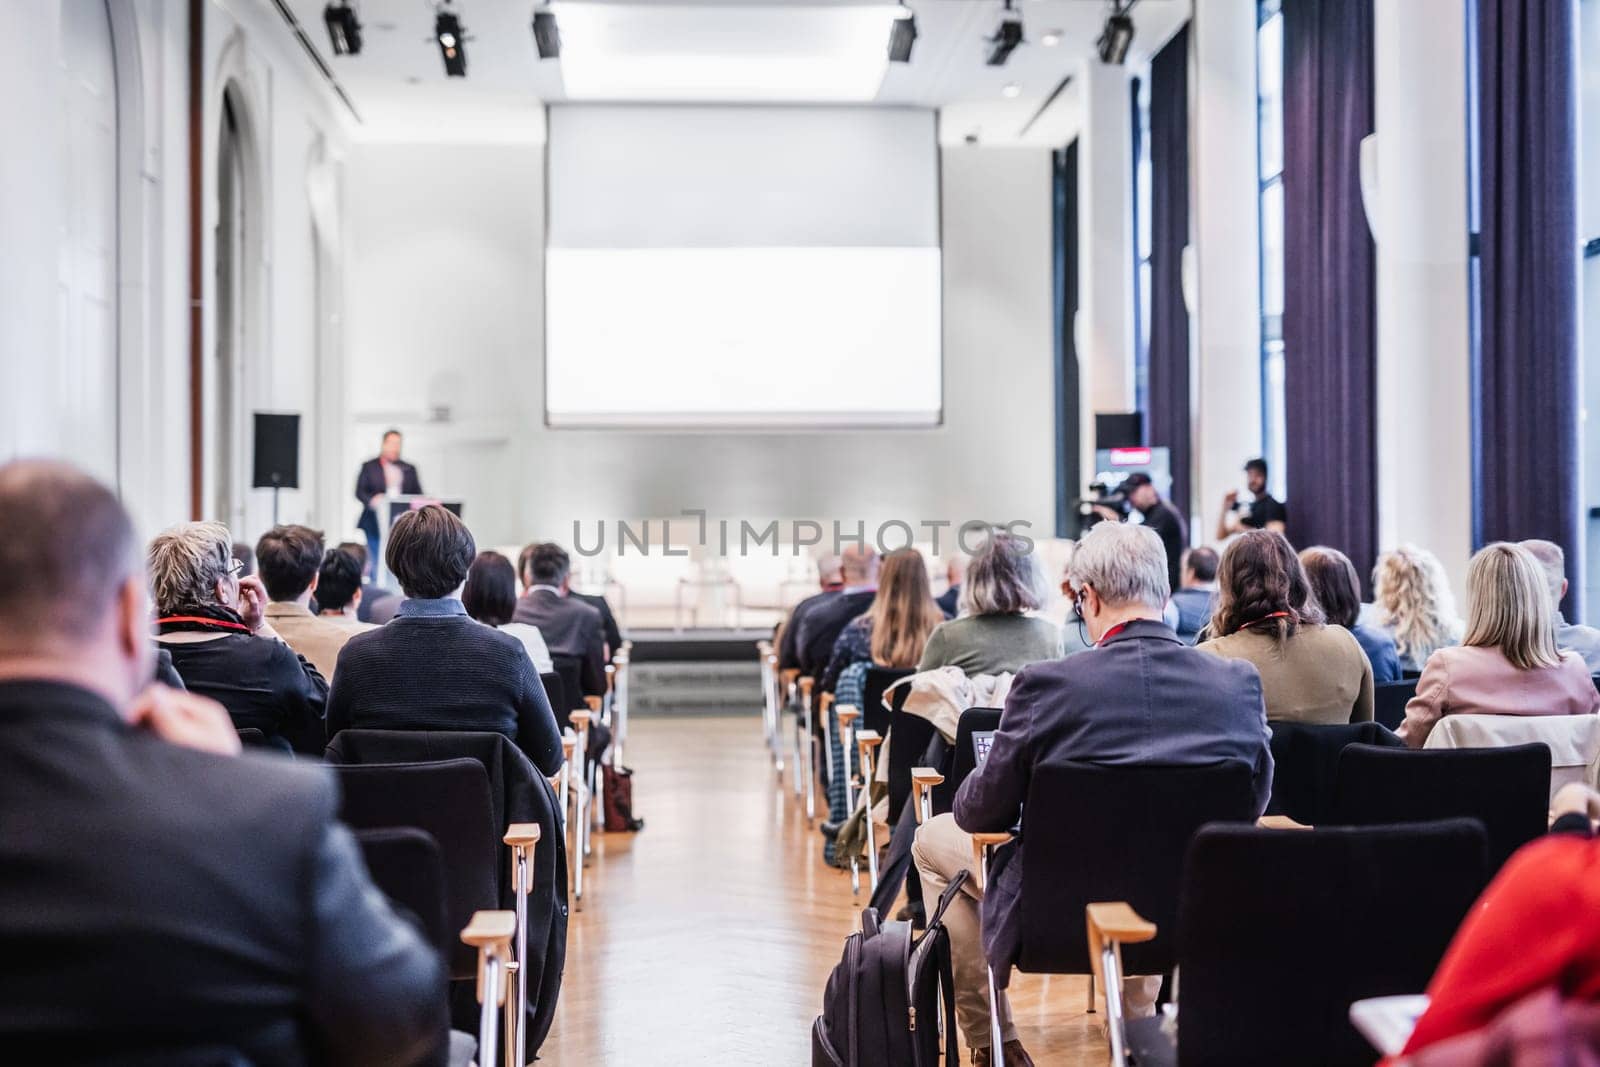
{"x": 386, "y": 475}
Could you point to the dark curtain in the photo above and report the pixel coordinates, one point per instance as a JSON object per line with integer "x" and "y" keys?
{"x": 1168, "y": 419}
{"x": 1329, "y": 322}
{"x": 1527, "y": 368}
{"x": 1069, "y": 482}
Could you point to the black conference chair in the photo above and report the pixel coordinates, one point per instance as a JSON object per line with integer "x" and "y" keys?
{"x": 1505, "y": 789}
{"x": 1305, "y": 760}
{"x": 874, "y": 716}
{"x": 964, "y": 760}
{"x": 1389, "y": 702}
{"x": 909, "y": 736}
{"x": 1096, "y": 833}
{"x": 408, "y": 866}
{"x": 570, "y": 670}
{"x": 556, "y": 691}
{"x": 1279, "y": 931}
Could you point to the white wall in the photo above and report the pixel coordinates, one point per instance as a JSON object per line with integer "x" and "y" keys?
{"x": 444, "y": 316}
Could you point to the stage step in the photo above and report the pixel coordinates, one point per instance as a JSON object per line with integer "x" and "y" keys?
{"x": 696, "y": 688}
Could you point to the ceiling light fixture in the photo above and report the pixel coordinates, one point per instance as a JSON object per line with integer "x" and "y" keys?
{"x": 1050, "y": 38}
{"x": 451, "y": 37}
{"x": 1011, "y": 90}
{"x": 344, "y": 29}
{"x": 1117, "y": 36}
{"x": 902, "y": 34}
{"x": 1006, "y": 37}
{"x": 546, "y": 37}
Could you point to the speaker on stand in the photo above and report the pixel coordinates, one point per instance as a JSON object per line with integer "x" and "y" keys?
{"x": 277, "y": 454}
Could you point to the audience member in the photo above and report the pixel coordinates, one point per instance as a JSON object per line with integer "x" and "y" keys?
{"x": 1198, "y": 594}
{"x": 608, "y": 620}
{"x": 830, "y": 577}
{"x": 1413, "y": 601}
{"x": 378, "y": 604}
{"x": 214, "y": 625}
{"x": 569, "y": 626}
{"x": 1337, "y": 591}
{"x": 820, "y": 627}
{"x": 1533, "y": 929}
{"x": 955, "y": 572}
{"x": 246, "y": 557}
{"x": 291, "y": 565}
{"x": 386, "y": 474}
{"x": 1310, "y": 672}
{"x": 1262, "y": 512}
{"x": 1570, "y": 637}
{"x": 1508, "y": 663}
{"x": 1139, "y": 698}
{"x": 339, "y": 592}
{"x": 892, "y": 632}
{"x": 994, "y": 632}
{"x": 433, "y": 667}
{"x": 490, "y": 596}
{"x": 1160, "y": 516}
{"x": 161, "y": 897}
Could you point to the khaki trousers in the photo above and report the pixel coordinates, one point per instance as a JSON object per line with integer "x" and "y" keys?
{"x": 940, "y": 851}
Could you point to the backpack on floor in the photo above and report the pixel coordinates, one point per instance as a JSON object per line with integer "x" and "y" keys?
{"x": 616, "y": 792}
{"x": 881, "y": 1007}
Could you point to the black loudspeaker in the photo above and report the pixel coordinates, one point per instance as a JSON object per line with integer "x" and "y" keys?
{"x": 1118, "y": 429}
{"x": 277, "y": 451}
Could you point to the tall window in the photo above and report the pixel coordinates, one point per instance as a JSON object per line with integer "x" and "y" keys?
{"x": 1269, "y": 89}
{"x": 1142, "y": 244}
{"x": 1589, "y": 282}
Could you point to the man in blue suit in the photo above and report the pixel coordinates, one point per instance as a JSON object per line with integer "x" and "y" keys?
{"x": 385, "y": 475}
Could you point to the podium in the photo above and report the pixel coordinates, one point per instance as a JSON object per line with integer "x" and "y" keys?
{"x": 389, "y": 509}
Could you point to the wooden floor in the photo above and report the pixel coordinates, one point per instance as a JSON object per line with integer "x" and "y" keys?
{"x": 707, "y": 938}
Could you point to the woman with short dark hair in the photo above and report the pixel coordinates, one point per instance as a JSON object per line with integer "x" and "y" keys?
{"x": 1337, "y": 591}
{"x": 1310, "y": 672}
{"x": 433, "y": 667}
{"x": 490, "y": 596}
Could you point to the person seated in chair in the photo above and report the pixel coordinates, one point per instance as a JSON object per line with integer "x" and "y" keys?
{"x": 830, "y": 578}
{"x": 1140, "y": 697}
{"x": 290, "y": 561}
{"x": 214, "y": 625}
{"x": 569, "y": 626}
{"x": 164, "y": 899}
{"x": 822, "y": 625}
{"x": 339, "y": 591}
{"x": 1570, "y": 636}
{"x": 1337, "y": 591}
{"x": 433, "y": 667}
{"x": 995, "y": 632}
{"x": 1197, "y": 595}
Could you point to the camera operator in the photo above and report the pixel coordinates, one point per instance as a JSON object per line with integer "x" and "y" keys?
{"x": 1264, "y": 512}
{"x": 1159, "y": 515}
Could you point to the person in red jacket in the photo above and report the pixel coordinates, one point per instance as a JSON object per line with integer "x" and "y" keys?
{"x": 1537, "y": 925}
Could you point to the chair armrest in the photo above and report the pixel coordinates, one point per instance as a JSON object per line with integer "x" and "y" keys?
{"x": 568, "y": 743}
{"x": 922, "y": 780}
{"x": 788, "y": 675}
{"x": 490, "y": 932}
{"x": 824, "y": 702}
{"x": 868, "y": 738}
{"x": 593, "y": 702}
{"x": 1119, "y": 922}
{"x": 580, "y": 719}
{"x": 1280, "y": 822}
{"x": 807, "y": 683}
{"x": 522, "y": 833}
{"x": 981, "y": 843}
{"x": 847, "y": 714}
{"x": 611, "y": 677}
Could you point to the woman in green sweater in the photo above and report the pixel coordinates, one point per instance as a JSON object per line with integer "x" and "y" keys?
{"x": 994, "y": 633}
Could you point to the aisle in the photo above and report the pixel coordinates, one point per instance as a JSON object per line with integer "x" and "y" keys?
{"x": 708, "y": 937}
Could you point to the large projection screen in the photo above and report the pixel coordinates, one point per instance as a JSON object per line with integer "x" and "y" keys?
{"x": 742, "y": 267}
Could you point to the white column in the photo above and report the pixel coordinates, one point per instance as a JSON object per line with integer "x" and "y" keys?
{"x": 1424, "y": 370}
{"x": 1226, "y": 227}
{"x": 1105, "y": 253}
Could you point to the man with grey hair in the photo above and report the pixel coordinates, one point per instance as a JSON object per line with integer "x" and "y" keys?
{"x": 1570, "y": 637}
{"x": 1139, "y": 697}
{"x": 830, "y": 576}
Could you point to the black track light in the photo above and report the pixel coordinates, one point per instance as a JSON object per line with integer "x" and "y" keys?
{"x": 344, "y": 29}
{"x": 546, "y": 37}
{"x": 447, "y": 31}
{"x": 1117, "y": 36}
{"x": 902, "y": 35}
{"x": 1006, "y": 37}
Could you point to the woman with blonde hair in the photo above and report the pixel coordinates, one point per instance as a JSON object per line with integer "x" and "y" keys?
{"x": 1414, "y": 603}
{"x": 1508, "y": 663}
{"x": 892, "y": 632}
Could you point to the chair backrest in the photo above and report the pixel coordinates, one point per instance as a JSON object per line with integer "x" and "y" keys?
{"x": 909, "y": 736}
{"x": 1280, "y": 930}
{"x": 251, "y": 737}
{"x": 1506, "y": 789}
{"x": 556, "y": 690}
{"x": 448, "y": 800}
{"x": 1389, "y": 702}
{"x": 1573, "y": 740}
{"x": 1093, "y": 833}
{"x": 1305, "y": 759}
{"x": 408, "y": 866}
{"x": 874, "y": 716}
{"x": 570, "y": 668}
{"x": 964, "y": 760}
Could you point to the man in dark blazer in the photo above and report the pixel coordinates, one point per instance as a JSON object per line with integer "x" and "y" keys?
{"x": 831, "y": 580}
{"x": 1140, "y": 697}
{"x": 386, "y": 474}
{"x": 569, "y": 626}
{"x": 163, "y": 898}
{"x": 821, "y": 626}
{"x": 608, "y": 621}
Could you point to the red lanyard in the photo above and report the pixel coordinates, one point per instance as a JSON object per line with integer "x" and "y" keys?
{"x": 219, "y": 623}
{"x": 1264, "y": 618}
{"x": 1114, "y": 631}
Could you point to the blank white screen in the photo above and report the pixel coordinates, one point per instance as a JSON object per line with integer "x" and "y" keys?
{"x": 742, "y": 267}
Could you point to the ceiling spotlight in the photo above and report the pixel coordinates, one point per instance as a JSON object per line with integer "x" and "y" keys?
{"x": 344, "y": 29}
{"x": 1117, "y": 35}
{"x": 447, "y": 31}
{"x": 902, "y": 35}
{"x": 1006, "y": 37}
{"x": 1050, "y": 38}
{"x": 1011, "y": 90}
{"x": 545, "y": 35}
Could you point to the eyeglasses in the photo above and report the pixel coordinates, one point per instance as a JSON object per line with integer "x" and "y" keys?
{"x": 235, "y": 566}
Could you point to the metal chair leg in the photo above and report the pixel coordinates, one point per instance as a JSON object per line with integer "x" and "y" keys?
{"x": 522, "y": 837}
{"x": 1090, "y": 1008}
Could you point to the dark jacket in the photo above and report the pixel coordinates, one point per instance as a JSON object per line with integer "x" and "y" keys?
{"x": 1379, "y": 646}
{"x": 155, "y": 900}
{"x": 823, "y": 624}
{"x": 435, "y": 668}
{"x": 1142, "y": 697}
{"x": 949, "y": 601}
{"x": 789, "y": 638}
{"x": 570, "y": 627}
{"x": 1194, "y": 611}
{"x": 370, "y": 482}
{"x": 1170, "y": 527}
{"x": 264, "y": 684}
{"x": 608, "y": 621}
